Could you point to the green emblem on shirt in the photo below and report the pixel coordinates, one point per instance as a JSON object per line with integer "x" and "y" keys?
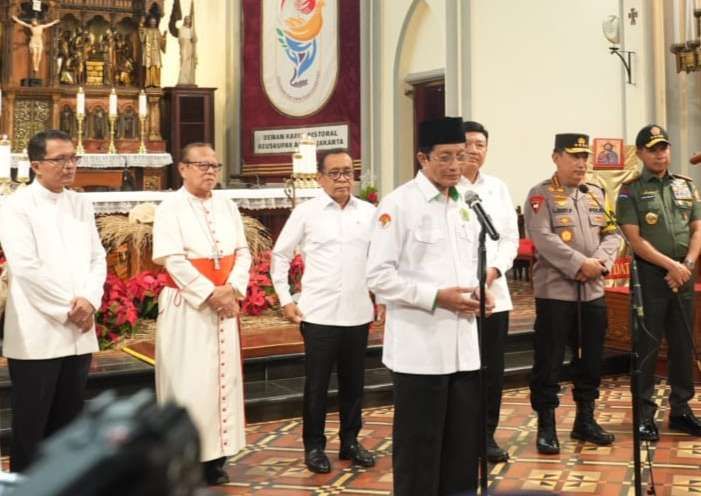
{"x": 465, "y": 214}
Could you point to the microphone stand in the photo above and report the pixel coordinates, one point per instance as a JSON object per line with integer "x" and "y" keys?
{"x": 482, "y": 275}
{"x": 637, "y": 324}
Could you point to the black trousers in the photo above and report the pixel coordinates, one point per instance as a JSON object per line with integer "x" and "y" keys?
{"x": 555, "y": 328}
{"x": 324, "y": 347}
{"x": 436, "y": 434}
{"x": 666, "y": 313}
{"x": 46, "y": 396}
{"x": 496, "y": 327}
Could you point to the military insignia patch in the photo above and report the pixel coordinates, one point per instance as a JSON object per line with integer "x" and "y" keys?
{"x": 566, "y": 236}
{"x": 536, "y": 201}
{"x": 384, "y": 219}
{"x": 651, "y": 218}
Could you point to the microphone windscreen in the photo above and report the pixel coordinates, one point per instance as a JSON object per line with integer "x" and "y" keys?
{"x": 583, "y": 188}
{"x": 471, "y": 197}
{"x": 696, "y": 159}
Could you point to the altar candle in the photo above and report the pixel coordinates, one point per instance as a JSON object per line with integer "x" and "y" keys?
{"x": 113, "y": 104}
{"x": 297, "y": 163}
{"x": 143, "y": 110}
{"x": 0, "y": 101}
{"x": 23, "y": 170}
{"x": 80, "y": 102}
{"x": 676, "y": 21}
{"x": 5, "y": 158}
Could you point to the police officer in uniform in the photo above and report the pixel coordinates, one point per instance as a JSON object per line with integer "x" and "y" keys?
{"x": 575, "y": 248}
{"x": 660, "y": 213}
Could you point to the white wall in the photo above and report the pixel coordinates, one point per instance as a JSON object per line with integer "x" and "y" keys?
{"x": 538, "y": 68}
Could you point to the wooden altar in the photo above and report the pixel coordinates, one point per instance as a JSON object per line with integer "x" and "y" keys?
{"x": 95, "y": 45}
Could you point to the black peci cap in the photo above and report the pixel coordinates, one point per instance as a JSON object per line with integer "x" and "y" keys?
{"x": 444, "y": 131}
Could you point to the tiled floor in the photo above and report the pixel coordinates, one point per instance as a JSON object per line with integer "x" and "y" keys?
{"x": 271, "y": 464}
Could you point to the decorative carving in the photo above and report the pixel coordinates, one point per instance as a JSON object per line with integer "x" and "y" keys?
{"x": 67, "y": 121}
{"x": 30, "y": 117}
{"x": 97, "y": 124}
{"x": 126, "y": 126}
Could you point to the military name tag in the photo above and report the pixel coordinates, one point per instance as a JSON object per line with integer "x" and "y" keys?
{"x": 651, "y": 218}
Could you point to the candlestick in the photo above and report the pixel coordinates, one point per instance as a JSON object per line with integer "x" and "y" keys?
{"x": 5, "y": 158}
{"x": 113, "y": 104}
{"x": 142, "y": 145}
{"x": 111, "y": 148}
{"x": 143, "y": 107}
{"x": 79, "y": 148}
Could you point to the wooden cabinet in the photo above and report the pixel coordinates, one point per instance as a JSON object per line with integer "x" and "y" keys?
{"x": 188, "y": 117}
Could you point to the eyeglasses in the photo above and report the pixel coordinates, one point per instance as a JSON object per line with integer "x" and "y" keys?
{"x": 448, "y": 158}
{"x": 62, "y": 162}
{"x": 336, "y": 174}
{"x": 205, "y": 166}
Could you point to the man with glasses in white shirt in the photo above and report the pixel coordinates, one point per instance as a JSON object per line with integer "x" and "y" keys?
{"x": 56, "y": 272}
{"x": 497, "y": 203}
{"x": 423, "y": 264}
{"x": 332, "y": 231}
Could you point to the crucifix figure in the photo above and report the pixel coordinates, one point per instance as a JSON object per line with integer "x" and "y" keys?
{"x": 633, "y": 15}
{"x": 36, "y": 42}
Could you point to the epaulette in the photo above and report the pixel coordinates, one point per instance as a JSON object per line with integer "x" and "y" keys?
{"x": 631, "y": 180}
{"x": 686, "y": 178}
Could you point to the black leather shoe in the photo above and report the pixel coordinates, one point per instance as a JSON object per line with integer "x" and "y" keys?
{"x": 357, "y": 455}
{"x": 494, "y": 453}
{"x": 686, "y": 422}
{"x": 214, "y": 473}
{"x": 547, "y": 442}
{"x": 586, "y": 428}
{"x": 648, "y": 431}
{"x": 317, "y": 461}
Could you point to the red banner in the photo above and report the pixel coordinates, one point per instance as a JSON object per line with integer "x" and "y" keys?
{"x": 301, "y": 73}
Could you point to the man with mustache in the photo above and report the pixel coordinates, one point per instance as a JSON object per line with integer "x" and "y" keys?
{"x": 660, "y": 213}
{"x": 199, "y": 237}
{"x": 56, "y": 272}
{"x": 575, "y": 248}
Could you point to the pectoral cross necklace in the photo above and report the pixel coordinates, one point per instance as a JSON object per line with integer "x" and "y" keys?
{"x": 209, "y": 231}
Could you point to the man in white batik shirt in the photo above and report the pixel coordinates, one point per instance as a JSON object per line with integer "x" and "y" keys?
{"x": 199, "y": 237}
{"x": 332, "y": 232}
{"x": 496, "y": 201}
{"x": 423, "y": 265}
{"x": 57, "y": 271}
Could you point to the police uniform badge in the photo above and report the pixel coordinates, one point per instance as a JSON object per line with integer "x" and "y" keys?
{"x": 651, "y": 218}
{"x": 536, "y": 201}
{"x": 384, "y": 220}
{"x": 566, "y": 235}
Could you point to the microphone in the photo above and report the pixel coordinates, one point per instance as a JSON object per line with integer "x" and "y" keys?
{"x": 473, "y": 201}
{"x": 695, "y": 159}
{"x": 583, "y": 188}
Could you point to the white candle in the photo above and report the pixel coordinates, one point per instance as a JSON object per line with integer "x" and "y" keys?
{"x": 5, "y": 158}
{"x": 297, "y": 164}
{"x": 80, "y": 102}
{"x": 113, "y": 104}
{"x": 676, "y": 20}
{"x": 690, "y": 21}
{"x": 143, "y": 109}
{"x": 307, "y": 148}
{"x": 0, "y": 101}
{"x": 23, "y": 170}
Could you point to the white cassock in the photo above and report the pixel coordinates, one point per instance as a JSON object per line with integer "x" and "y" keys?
{"x": 198, "y": 357}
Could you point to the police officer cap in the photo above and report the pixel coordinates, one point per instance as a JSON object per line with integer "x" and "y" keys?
{"x": 572, "y": 143}
{"x": 650, "y": 135}
{"x": 444, "y": 131}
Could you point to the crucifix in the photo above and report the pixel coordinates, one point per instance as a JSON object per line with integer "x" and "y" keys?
{"x": 633, "y": 15}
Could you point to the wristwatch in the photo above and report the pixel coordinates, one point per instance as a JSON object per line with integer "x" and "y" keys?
{"x": 689, "y": 264}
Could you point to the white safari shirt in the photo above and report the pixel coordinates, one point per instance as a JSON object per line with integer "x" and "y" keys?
{"x": 496, "y": 201}
{"x": 424, "y": 241}
{"x": 334, "y": 244}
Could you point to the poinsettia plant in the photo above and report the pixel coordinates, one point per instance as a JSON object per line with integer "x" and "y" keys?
{"x": 369, "y": 194}
{"x": 144, "y": 289}
{"x": 260, "y": 295}
{"x": 116, "y": 319}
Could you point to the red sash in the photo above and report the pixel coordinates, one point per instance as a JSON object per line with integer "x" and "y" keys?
{"x": 205, "y": 266}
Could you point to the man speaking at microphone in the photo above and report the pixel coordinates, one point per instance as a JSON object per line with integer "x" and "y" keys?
{"x": 423, "y": 264}
{"x": 575, "y": 248}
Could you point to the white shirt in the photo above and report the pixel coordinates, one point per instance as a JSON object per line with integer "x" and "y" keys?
{"x": 54, "y": 255}
{"x": 496, "y": 201}
{"x": 334, "y": 245}
{"x": 423, "y": 242}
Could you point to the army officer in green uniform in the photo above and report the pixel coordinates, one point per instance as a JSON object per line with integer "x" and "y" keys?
{"x": 660, "y": 213}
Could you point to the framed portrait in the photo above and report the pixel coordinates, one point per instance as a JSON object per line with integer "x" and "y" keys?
{"x": 608, "y": 153}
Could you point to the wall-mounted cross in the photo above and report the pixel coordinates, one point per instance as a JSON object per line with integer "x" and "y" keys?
{"x": 633, "y": 15}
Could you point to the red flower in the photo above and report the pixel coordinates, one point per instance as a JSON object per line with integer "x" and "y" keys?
{"x": 372, "y": 197}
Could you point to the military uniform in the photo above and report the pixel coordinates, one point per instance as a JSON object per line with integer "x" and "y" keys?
{"x": 567, "y": 226}
{"x": 663, "y": 208}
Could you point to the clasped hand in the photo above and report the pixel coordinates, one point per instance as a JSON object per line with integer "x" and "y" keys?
{"x": 223, "y": 301}
{"x": 592, "y": 268}
{"x": 82, "y": 314}
{"x": 464, "y": 300}
{"x": 677, "y": 276}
